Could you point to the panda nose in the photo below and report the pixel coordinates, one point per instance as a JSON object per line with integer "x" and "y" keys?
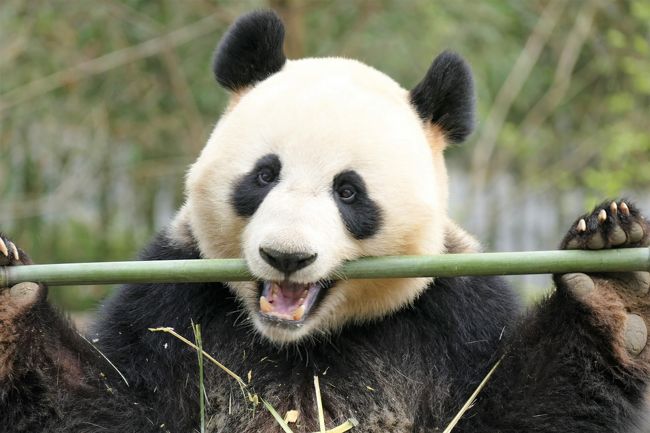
{"x": 287, "y": 263}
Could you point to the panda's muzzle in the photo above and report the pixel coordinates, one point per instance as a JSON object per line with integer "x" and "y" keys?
{"x": 290, "y": 302}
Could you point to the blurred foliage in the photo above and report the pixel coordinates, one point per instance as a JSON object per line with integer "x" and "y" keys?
{"x": 104, "y": 104}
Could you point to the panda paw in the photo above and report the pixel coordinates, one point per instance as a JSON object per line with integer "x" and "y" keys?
{"x": 618, "y": 303}
{"x": 610, "y": 225}
{"x": 14, "y": 301}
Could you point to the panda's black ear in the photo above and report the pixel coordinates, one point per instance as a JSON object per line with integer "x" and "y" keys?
{"x": 445, "y": 96}
{"x": 250, "y": 51}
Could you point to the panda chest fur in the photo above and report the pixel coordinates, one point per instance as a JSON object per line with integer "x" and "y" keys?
{"x": 374, "y": 372}
{"x": 370, "y": 388}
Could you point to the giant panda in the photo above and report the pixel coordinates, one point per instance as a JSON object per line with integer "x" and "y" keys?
{"x": 316, "y": 162}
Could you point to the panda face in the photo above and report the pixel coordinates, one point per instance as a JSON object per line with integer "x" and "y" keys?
{"x": 323, "y": 162}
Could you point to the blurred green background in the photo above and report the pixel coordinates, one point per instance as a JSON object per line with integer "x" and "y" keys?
{"x": 104, "y": 104}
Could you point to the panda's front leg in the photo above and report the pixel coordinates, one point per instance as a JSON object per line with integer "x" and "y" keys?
{"x": 42, "y": 359}
{"x": 51, "y": 379}
{"x": 16, "y": 306}
{"x": 579, "y": 360}
{"x": 617, "y": 304}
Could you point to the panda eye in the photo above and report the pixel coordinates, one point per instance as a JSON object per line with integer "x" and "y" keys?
{"x": 266, "y": 176}
{"x": 347, "y": 193}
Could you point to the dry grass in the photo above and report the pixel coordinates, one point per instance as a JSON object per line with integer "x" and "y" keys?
{"x": 202, "y": 397}
{"x": 283, "y": 423}
{"x": 468, "y": 404}
{"x": 252, "y": 397}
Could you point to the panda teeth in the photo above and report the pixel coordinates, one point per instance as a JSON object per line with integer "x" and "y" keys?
{"x": 265, "y": 305}
{"x": 299, "y": 312}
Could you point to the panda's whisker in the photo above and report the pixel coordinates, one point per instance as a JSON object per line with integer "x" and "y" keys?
{"x": 338, "y": 275}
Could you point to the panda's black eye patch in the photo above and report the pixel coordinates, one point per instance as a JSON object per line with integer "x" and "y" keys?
{"x": 360, "y": 214}
{"x": 251, "y": 189}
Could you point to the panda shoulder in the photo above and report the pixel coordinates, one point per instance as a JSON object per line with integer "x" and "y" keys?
{"x": 458, "y": 241}
{"x": 175, "y": 242}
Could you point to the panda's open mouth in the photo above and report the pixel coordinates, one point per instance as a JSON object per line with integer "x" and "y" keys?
{"x": 290, "y": 302}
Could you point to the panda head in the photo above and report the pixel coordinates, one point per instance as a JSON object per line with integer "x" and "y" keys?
{"x": 320, "y": 161}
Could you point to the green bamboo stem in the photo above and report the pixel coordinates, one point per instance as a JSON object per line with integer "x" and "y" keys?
{"x": 445, "y": 265}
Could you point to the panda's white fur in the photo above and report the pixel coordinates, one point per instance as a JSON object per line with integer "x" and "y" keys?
{"x": 322, "y": 116}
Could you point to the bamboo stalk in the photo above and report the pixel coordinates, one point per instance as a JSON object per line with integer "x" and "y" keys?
{"x": 444, "y": 265}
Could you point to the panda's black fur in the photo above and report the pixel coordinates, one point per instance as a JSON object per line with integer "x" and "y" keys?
{"x": 363, "y": 217}
{"x": 410, "y": 371}
{"x": 250, "y": 51}
{"x": 445, "y": 96}
{"x": 248, "y": 194}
